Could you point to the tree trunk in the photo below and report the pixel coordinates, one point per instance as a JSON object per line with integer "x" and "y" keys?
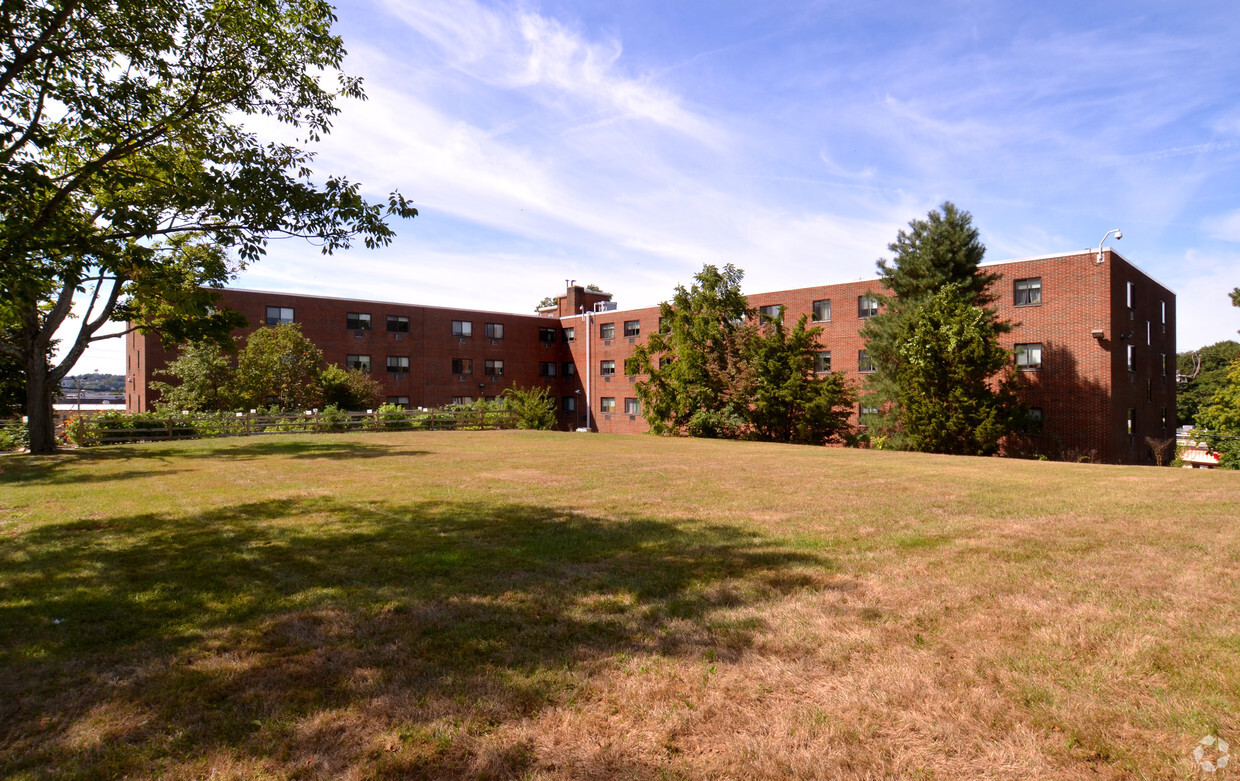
{"x": 42, "y": 424}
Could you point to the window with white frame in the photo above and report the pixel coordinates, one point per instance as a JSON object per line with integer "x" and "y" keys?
{"x": 570, "y": 334}
{"x": 822, "y": 361}
{"x": 495, "y": 330}
{"x": 606, "y": 368}
{"x": 632, "y": 406}
{"x": 492, "y": 367}
{"x": 607, "y": 331}
{"x": 1029, "y": 356}
{"x": 607, "y": 404}
{"x": 357, "y": 321}
{"x": 462, "y": 328}
{"x": 1132, "y": 357}
{"x": 822, "y": 310}
{"x": 1131, "y": 290}
{"x": 1028, "y": 292}
{"x": 867, "y": 306}
{"x": 632, "y": 328}
{"x": 359, "y": 362}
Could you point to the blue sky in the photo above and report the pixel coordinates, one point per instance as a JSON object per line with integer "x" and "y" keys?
{"x": 627, "y": 143}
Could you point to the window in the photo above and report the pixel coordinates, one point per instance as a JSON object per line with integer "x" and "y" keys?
{"x": 664, "y": 361}
{"x": 632, "y": 327}
{"x": 359, "y": 362}
{"x": 495, "y": 330}
{"x": 546, "y": 369}
{"x": 606, "y": 368}
{"x": 397, "y": 324}
{"x": 462, "y": 401}
{"x": 607, "y": 331}
{"x": 1164, "y": 364}
{"x": 1131, "y": 289}
{"x": 1162, "y": 308}
{"x": 570, "y": 369}
{"x": 1035, "y": 420}
{"x": 279, "y": 315}
{"x": 1029, "y": 356}
{"x": 462, "y": 365}
{"x": 493, "y": 368}
{"x": 462, "y": 328}
{"x": 867, "y": 306}
{"x": 864, "y": 364}
{"x": 1164, "y": 420}
{"x": 568, "y": 403}
{"x": 1028, "y": 292}
{"x": 546, "y": 335}
{"x": 1132, "y": 422}
{"x": 631, "y": 366}
{"x": 607, "y": 404}
{"x": 1148, "y": 337}
{"x": 401, "y": 400}
{"x": 570, "y": 334}
{"x": 357, "y": 321}
{"x": 398, "y": 364}
{"x": 1149, "y": 391}
{"x": 663, "y": 327}
{"x": 822, "y": 363}
{"x": 822, "y": 310}
{"x": 1132, "y": 357}
{"x": 770, "y": 312}
{"x": 632, "y": 407}
{"x": 866, "y": 414}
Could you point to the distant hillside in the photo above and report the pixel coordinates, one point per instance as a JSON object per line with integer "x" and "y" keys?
{"x": 114, "y": 383}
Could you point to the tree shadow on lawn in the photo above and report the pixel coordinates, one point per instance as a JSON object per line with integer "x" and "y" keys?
{"x": 75, "y": 466}
{"x": 137, "y": 644}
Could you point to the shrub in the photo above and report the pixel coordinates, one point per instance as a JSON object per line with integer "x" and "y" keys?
{"x": 534, "y": 407}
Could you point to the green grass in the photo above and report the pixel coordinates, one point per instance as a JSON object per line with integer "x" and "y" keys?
{"x": 541, "y": 605}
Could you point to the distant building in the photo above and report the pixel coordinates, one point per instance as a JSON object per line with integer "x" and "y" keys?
{"x": 1094, "y": 344}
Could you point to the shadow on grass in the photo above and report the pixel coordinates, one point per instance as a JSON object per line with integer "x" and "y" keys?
{"x": 58, "y": 469}
{"x": 136, "y": 643}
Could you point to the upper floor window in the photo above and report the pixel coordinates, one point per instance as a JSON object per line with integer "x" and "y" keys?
{"x": 607, "y": 404}
{"x": 822, "y": 362}
{"x": 867, "y": 306}
{"x": 570, "y": 369}
{"x": 546, "y": 368}
{"x": 493, "y": 368}
{"x": 462, "y": 328}
{"x": 822, "y": 310}
{"x": 357, "y": 321}
{"x": 359, "y": 362}
{"x": 462, "y": 365}
{"x": 607, "y": 331}
{"x": 570, "y": 334}
{"x": 632, "y": 327}
{"x": 864, "y": 364}
{"x": 607, "y": 368}
{"x": 546, "y": 335}
{"x": 770, "y": 312}
{"x": 1162, "y": 308}
{"x": 1132, "y": 357}
{"x": 1028, "y": 291}
{"x": 398, "y": 364}
{"x": 397, "y": 324}
{"x": 569, "y": 404}
{"x": 1029, "y": 356}
{"x": 495, "y": 330}
{"x": 1131, "y": 289}
{"x": 279, "y": 315}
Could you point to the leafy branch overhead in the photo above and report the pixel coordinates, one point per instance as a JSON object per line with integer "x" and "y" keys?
{"x": 128, "y": 175}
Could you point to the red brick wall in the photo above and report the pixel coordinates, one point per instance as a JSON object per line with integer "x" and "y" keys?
{"x": 1083, "y": 387}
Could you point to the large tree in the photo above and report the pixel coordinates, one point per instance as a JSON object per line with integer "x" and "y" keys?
{"x": 715, "y": 369}
{"x": 279, "y": 367}
{"x": 128, "y": 176}
{"x": 954, "y": 383}
{"x": 942, "y": 250}
{"x": 1211, "y": 364}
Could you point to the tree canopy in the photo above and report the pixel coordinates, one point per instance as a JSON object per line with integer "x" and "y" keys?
{"x": 127, "y": 174}
{"x": 716, "y": 370}
{"x": 1211, "y": 375}
{"x": 933, "y": 281}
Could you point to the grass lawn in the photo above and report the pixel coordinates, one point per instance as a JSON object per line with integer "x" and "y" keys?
{"x": 544, "y": 605}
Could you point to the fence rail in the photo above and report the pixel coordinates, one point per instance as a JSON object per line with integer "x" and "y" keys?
{"x": 114, "y": 429}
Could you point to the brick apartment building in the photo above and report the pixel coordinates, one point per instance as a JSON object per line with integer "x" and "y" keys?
{"x": 1094, "y": 344}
